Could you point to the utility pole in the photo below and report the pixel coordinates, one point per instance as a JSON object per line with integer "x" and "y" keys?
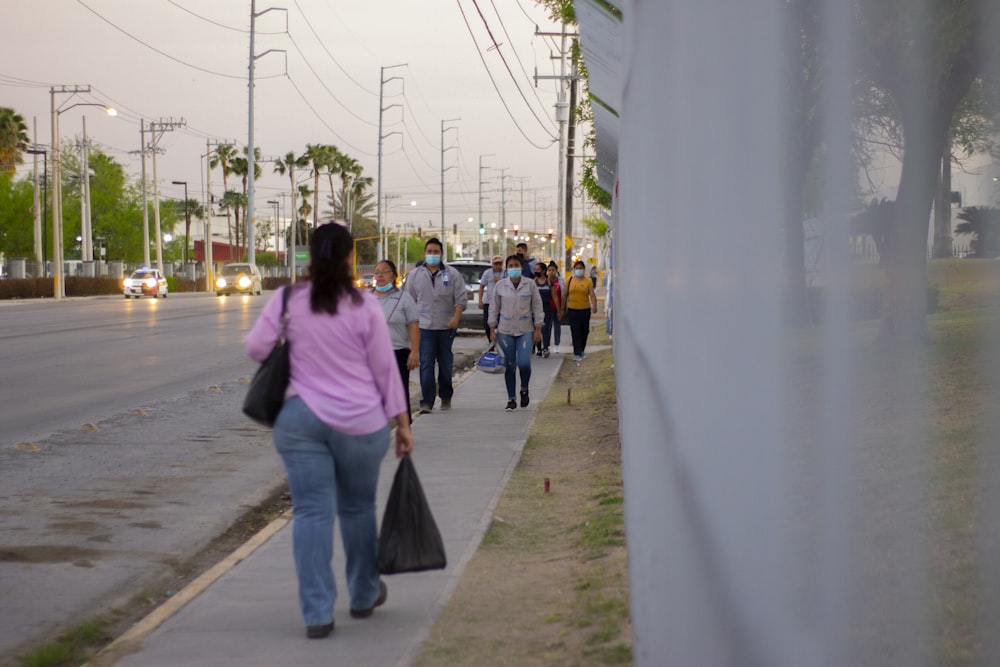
{"x": 570, "y": 135}
{"x": 86, "y": 229}
{"x": 59, "y": 284}
{"x": 481, "y": 221}
{"x": 444, "y": 129}
{"x": 251, "y": 153}
{"x": 503, "y": 197}
{"x": 145, "y": 200}
{"x": 156, "y": 129}
{"x": 187, "y": 221}
{"x": 381, "y": 110}
{"x": 36, "y": 201}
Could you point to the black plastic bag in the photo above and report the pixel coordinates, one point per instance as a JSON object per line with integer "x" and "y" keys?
{"x": 409, "y": 540}
{"x": 266, "y": 394}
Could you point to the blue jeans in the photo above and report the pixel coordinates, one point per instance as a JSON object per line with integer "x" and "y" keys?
{"x": 517, "y": 352}
{"x": 330, "y": 474}
{"x": 435, "y": 347}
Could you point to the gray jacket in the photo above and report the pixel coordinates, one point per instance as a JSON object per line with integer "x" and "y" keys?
{"x": 437, "y": 294}
{"x": 516, "y": 310}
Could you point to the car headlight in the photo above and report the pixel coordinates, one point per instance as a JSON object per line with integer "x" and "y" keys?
{"x": 243, "y": 282}
{"x": 220, "y": 283}
{"x": 150, "y": 282}
{"x": 128, "y": 282}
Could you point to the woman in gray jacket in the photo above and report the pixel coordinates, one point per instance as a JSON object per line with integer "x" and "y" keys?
{"x": 516, "y": 319}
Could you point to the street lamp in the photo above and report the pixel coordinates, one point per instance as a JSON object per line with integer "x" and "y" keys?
{"x": 59, "y": 285}
{"x": 41, "y": 224}
{"x": 187, "y": 220}
{"x": 277, "y": 226}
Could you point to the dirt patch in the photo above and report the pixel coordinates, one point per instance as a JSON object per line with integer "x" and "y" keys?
{"x": 549, "y": 583}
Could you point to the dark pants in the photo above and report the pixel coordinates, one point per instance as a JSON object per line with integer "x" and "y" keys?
{"x": 550, "y": 316}
{"x": 579, "y": 327}
{"x": 435, "y": 347}
{"x": 404, "y": 373}
{"x": 486, "y": 320}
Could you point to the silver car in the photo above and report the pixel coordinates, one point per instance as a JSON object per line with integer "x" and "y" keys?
{"x": 472, "y": 271}
{"x": 238, "y": 278}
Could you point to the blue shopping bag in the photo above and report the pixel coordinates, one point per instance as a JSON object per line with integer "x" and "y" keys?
{"x": 491, "y": 361}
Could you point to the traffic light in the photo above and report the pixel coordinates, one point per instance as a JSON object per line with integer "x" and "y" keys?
{"x": 551, "y": 237}
{"x": 454, "y": 229}
{"x": 515, "y": 232}
{"x": 482, "y": 229}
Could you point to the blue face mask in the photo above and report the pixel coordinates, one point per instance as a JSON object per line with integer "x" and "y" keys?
{"x": 578, "y": 273}
{"x": 432, "y": 260}
{"x": 513, "y": 273}
{"x": 383, "y": 288}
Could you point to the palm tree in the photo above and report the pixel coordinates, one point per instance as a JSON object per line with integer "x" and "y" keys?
{"x": 318, "y": 156}
{"x": 223, "y": 157}
{"x": 288, "y": 164}
{"x": 241, "y": 167}
{"x": 13, "y": 140}
{"x": 233, "y": 201}
{"x": 350, "y": 171}
{"x": 983, "y": 222}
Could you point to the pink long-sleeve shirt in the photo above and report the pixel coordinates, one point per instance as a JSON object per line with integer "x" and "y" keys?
{"x": 343, "y": 365}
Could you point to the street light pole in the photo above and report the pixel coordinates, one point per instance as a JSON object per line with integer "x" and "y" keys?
{"x": 187, "y": 220}
{"x": 277, "y": 226}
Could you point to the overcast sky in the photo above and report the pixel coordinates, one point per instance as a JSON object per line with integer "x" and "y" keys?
{"x": 188, "y": 59}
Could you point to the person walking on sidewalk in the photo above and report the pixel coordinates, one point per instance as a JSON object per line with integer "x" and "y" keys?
{"x": 558, "y": 304}
{"x": 581, "y": 301}
{"x": 516, "y": 323}
{"x": 439, "y": 291}
{"x": 332, "y": 431}
{"x": 527, "y": 263}
{"x": 487, "y": 282}
{"x": 545, "y": 292}
{"x": 401, "y": 316}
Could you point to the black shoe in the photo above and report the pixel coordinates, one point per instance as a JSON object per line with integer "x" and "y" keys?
{"x": 319, "y": 631}
{"x": 511, "y": 406}
{"x": 524, "y": 398}
{"x": 424, "y": 409}
{"x": 383, "y": 593}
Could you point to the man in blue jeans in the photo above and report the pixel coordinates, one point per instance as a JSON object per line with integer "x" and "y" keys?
{"x": 439, "y": 291}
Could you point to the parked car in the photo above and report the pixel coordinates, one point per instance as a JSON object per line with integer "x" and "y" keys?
{"x": 366, "y": 281}
{"x": 239, "y": 277}
{"x": 145, "y": 282}
{"x": 472, "y": 271}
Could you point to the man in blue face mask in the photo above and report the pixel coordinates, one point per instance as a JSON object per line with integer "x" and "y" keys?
{"x": 439, "y": 291}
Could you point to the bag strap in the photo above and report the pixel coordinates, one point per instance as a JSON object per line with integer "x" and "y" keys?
{"x": 285, "y": 293}
{"x": 391, "y": 312}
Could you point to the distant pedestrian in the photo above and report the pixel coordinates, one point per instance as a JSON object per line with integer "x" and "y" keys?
{"x": 559, "y": 303}
{"x": 581, "y": 301}
{"x": 401, "y": 316}
{"x": 593, "y": 275}
{"x": 516, "y": 324}
{"x": 487, "y": 282}
{"x": 527, "y": 263}
{"x": 333, "y": 430}
{"x": 545, "y": 292}
{"x": 439, "y": 291}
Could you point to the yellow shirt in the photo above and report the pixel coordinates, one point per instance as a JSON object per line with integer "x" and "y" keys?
{"x": 578, "y": 291}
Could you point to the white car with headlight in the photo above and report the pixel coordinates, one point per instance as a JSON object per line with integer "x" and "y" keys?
{"x": 145, "y": 282}
{"x": 238, "y": 278}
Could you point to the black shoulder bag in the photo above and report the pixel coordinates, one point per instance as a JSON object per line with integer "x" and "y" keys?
{"x": 267, "y": 389}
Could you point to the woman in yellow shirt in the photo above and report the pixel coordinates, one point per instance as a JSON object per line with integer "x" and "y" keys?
{"x": 581, "y": 301}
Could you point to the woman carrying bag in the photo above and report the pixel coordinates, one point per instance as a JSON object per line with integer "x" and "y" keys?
{"x": 332, "y": 431}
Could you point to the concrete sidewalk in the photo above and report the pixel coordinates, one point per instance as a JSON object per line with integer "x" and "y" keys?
{"x": 245, "y": 612}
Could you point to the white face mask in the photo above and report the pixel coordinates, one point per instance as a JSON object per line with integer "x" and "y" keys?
{"x": 578, "y": 273}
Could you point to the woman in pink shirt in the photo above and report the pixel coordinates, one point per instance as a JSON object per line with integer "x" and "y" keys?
{"x": 330, "y": 434}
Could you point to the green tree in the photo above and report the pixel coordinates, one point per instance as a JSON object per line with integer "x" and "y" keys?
{"x": 318, "y": 156}
{"x": 17, "y": 235}
{"x": 926, "y": 57}
{"x": 223, "y": 158}
{"x": 13, "y": 140}
{"x": 287, "y": 165}
{"x": 983, "y": 223}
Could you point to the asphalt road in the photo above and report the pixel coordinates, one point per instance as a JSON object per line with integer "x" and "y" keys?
{"x": 122, "y": 449}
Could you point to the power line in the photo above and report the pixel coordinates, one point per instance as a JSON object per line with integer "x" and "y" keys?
{"x": 506, "y": 65}
{"x": 164, "y": 53}
{"x": 518, "y": 58}
{"x": 493, "y": 81}
{"x": 216, "y": 23}
{"x": 325, "y": 87}
{"x": 325, "y": 124}
{"x": 335, "y": 62}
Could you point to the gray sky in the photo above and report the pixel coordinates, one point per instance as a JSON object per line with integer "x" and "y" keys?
{"x": 192, "y": 64}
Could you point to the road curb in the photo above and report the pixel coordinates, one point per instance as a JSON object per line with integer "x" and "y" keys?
{"x": 134, "y": 636}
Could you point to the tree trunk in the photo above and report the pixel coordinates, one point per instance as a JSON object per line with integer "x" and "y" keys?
{"x": 942, "y": 208}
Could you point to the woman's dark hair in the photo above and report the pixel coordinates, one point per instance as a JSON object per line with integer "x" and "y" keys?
{"x": 553, "y": 265}
{"x": 329, "y": 273}
{"x": 579, "y": 263}
{"x": 392, "y": 267}
{"x": 514, "y": 258}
